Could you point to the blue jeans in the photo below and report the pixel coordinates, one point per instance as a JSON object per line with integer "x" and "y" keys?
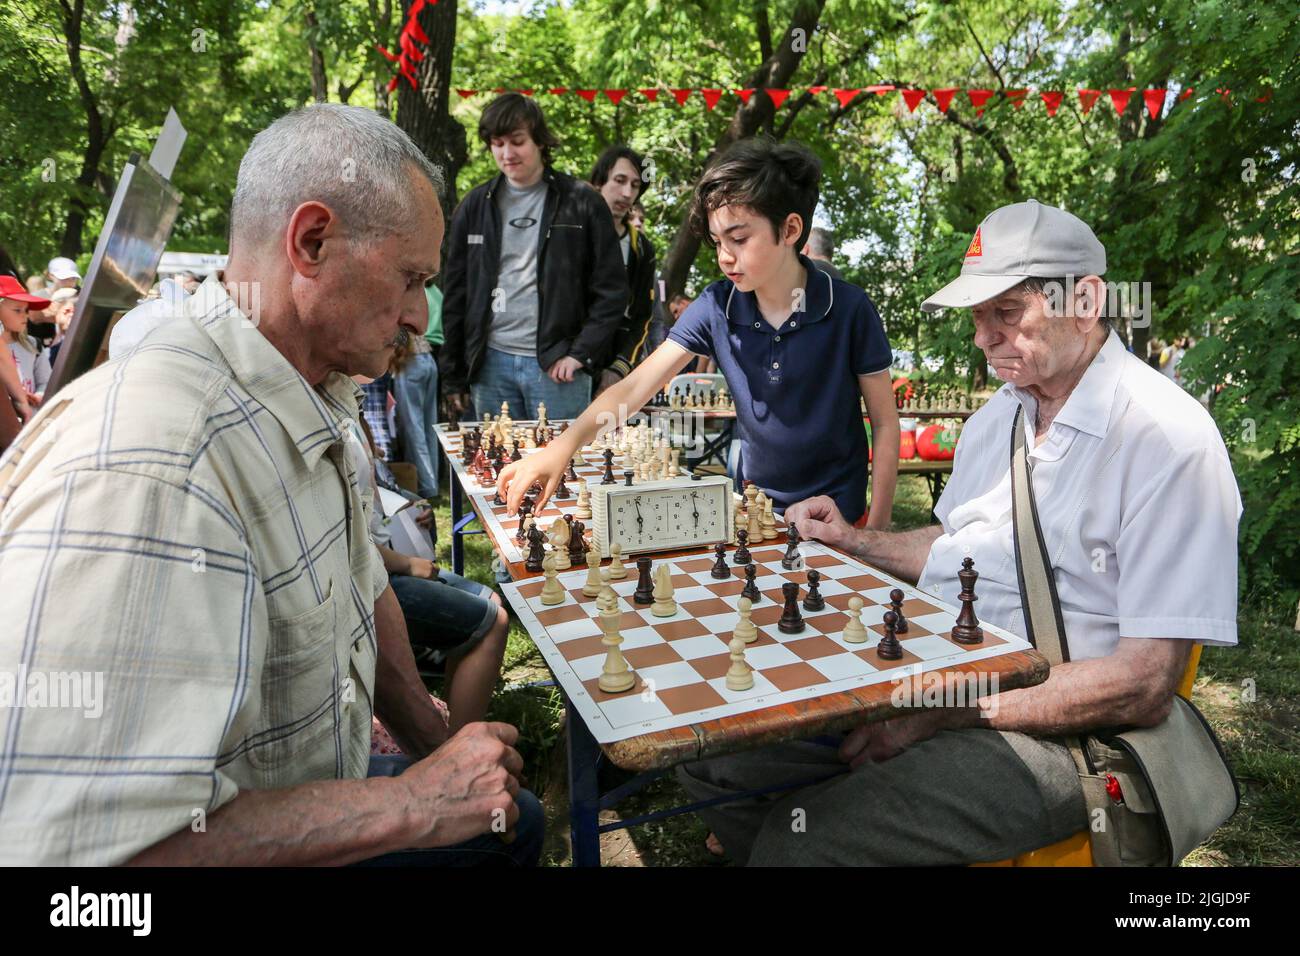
{"x": 485, "y": 850}
{"x": 416, "y": 392}
{"x": 520, "y": 381}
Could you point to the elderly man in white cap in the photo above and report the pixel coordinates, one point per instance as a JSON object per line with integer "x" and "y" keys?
{"x": 186, "y": 525}
{"x": 1138, "y": 510}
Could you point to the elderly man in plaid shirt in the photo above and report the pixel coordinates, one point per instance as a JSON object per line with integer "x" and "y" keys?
{"x": 183, "y": 527}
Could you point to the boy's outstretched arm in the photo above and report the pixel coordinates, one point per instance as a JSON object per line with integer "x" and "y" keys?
{"x": 610, "y": 409}
{"x": 878, "y": 391}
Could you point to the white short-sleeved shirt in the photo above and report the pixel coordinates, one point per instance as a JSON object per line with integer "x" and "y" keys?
{"x": 1137, "y": 502}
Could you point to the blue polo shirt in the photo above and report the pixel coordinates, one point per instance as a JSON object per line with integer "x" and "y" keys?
{"x": 796, "y": 388}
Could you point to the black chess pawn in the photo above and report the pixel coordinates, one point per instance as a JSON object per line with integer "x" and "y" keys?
{"x": 571, "y": 474}
{"x": 967, "y": 630}
{"x": 577, "y": 543}
{"x": 814, "y": 601}
{"x": 525, "y": 509}
{"x": 896, "y": 604}
{"x": 562, "y": 490}
{"x": 791, "y": 621}
{"x": 792, "y": 556}
{"x": 536, "y": 552}
{"x": 751, "y": 587}
{"x": 889, "y": 649}
{"x": 497, "y": 499}
{"x": 516, "y": 455}
{"x": 644, "y": 593}
{"x": 627, "y": 478}
{"x": 720, "y": 569}
{"x": 742, "y": 553}
{"x": 609, "y": 478}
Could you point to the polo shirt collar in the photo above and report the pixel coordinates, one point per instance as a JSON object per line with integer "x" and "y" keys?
{"x": 313, "y": 418}
{"x": 1088, "y": 408}
{"x": 741, "y": 308}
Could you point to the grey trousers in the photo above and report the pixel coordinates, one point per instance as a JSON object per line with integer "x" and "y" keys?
{"x": 963, "y": 796}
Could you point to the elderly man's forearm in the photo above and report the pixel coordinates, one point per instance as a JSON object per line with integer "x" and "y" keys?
{"x": 325, "y": 823}
{"x": 901, "y": 554}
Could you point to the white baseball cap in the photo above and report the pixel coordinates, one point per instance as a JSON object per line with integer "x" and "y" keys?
{"x": 1017, "y": 242}
{"x": 61, "y": 268}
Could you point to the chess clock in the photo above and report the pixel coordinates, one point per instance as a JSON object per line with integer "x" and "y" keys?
{"x": 662, "y": 515}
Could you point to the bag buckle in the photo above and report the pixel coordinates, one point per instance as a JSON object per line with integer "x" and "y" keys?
{"x": 1113, "y": 789}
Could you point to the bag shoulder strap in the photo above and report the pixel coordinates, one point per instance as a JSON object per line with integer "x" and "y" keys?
{"x": 1038, "y": 597}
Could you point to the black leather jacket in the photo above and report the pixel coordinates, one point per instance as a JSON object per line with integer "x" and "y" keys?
{"x": 582, "y": 285}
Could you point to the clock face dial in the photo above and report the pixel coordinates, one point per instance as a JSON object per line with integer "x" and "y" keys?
{"x": 668, "y": 517}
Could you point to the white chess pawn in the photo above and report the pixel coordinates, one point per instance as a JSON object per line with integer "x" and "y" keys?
{"x": 854, "y": 631}
{"x": 592, "y": 586}
{"x": 552, "y": 590}
{"x": 740, "y": 676}
{"x": 617, "y": 569}
{"x": 583, "y": 509}
{"x": 745, "y": 628}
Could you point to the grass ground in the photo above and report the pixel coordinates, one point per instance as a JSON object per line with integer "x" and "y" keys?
{"x": 1250, "y": 694}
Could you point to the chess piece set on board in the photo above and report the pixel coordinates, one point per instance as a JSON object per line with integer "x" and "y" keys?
{"x": 918, "y": 397}
{"x": 655, "y": 589}
{"x": 698, "y": 399}
{"x": 644, "y": 452}
{"x": 755, "y": 521}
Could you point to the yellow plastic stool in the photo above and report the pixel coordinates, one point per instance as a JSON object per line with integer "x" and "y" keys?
{"x": 1076, "y": 850}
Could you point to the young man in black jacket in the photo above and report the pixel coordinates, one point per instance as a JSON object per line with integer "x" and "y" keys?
{"x": 618, "y": 176}
{"x": 534, "y": 286}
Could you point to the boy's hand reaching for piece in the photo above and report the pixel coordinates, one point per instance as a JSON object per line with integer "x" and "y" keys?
{"x": 545, "y": 466}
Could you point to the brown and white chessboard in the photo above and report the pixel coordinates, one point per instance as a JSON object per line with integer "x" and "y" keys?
{"x": 681, "y": 661}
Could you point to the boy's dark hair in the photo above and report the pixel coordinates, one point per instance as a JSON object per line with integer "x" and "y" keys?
{"x": 604, "y": 167}
{"x": 511, "y": 111}
{"x": 774, "y": 179}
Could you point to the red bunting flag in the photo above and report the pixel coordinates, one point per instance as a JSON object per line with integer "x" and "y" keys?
{"x": 814, "y": 90}
{"x": 978, "y": 98}
{"x": 680, "y": 96}
{"x": 912, "y": 98}
{"x": 943, "y": 98}
{"x": 465, "y": 94}
{"x": 385, "y": 52}
{"x": 1087, "y": 98}
{"x": 1155, "y": 101}
{"x": 616, "y": 96}
{"x": 880, "y": 89}
{"x": 778, "y": 97}
{"x": 711, "y": 98}
{"x": 1186, "y": 93}
{"x": 651, "y": 95}
{"x": 1120, "y": 98}
{"x": 558, "y": 90}
{"x": 1017, "y": 97}
{"x": 1052, "y": 100}
{"x": 498, "y": 89}
{"x": 588, "y": 95}
{"x": 1223, "y": 93}
{"x": 845, "y": 96}
{"x": 1265, "y": 98}
{"x": 392, "y": 84}
{"x": 745, "y": 95}
{"x": 413, "y": 27}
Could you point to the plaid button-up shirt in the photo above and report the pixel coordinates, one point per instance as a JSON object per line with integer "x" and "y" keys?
{"x": 184, "y": 527}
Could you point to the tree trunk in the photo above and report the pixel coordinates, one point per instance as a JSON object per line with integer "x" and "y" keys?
{"x": 423, "y": 112}
{"x": 320, "y": 87}
{"x": 97, "y": 135}
{"x": 775, "y": 73}
{"x": 381, "y": 19}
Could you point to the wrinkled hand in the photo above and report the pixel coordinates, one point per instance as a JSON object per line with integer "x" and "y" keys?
{"x": 422, "y": 568}
{"x": 466, "y": 787}
{"x": 564, "y": 370}
{"x": 819, "y": 518}
{"x": 517, "y": 477}
{"x": 882, "y": 741}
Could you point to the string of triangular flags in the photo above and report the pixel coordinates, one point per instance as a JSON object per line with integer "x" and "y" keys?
{"x": 412, "y": 35}
{"x": 1154, "y": 99}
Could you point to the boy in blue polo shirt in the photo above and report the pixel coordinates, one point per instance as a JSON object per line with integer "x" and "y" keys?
{"x": 797, "y": 348}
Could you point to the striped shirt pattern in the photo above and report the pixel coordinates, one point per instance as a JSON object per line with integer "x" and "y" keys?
{"x": 187, "y": 522}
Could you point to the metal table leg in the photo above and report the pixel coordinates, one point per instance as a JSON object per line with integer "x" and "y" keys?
{"x": 584, "y": 788}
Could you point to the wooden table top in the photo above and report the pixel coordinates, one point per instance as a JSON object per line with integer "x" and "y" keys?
{"x": 794, "y": 721}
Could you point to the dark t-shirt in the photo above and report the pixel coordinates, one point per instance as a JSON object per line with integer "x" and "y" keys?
{"x": 795, "y": 388}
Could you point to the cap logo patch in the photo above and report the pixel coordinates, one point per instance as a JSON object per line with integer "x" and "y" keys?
{"x": 976, "y": 248}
